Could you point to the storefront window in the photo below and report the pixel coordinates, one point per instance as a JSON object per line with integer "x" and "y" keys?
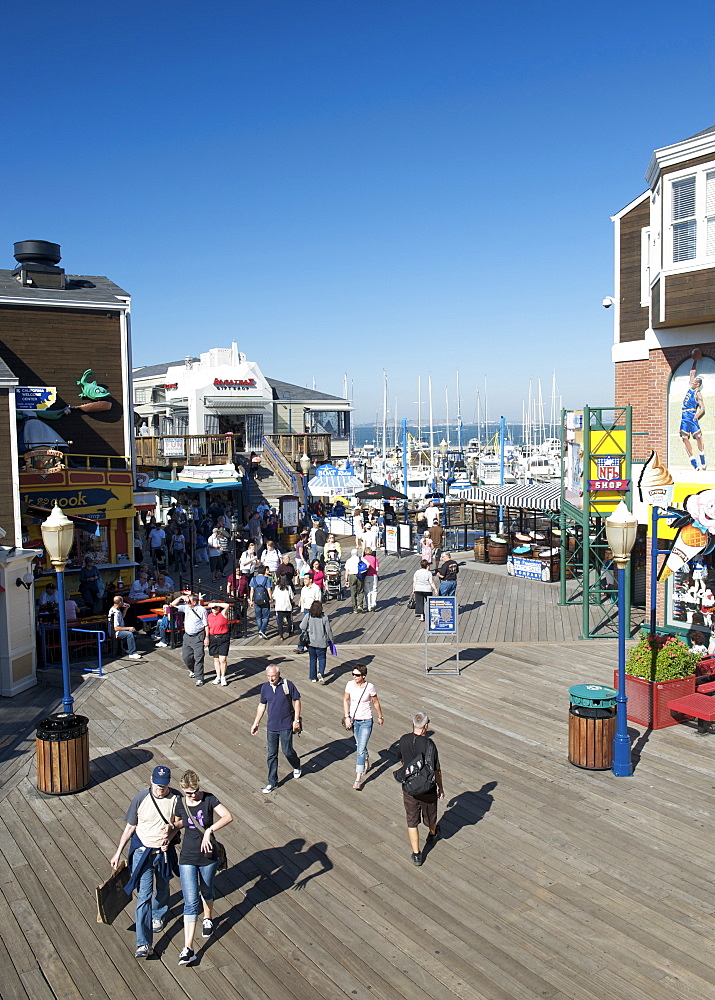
{"x": 334, "y": 422}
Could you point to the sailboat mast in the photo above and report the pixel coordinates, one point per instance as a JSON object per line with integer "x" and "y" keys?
{"x": 384, "y": 418}
{"x": 446, "y": 412}
{"x": 431, "y": 426}
{"x": 459, "y": 417}
{"x": 419, "y": 410}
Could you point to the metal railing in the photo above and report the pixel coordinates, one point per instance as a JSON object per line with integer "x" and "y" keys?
{"x": 294, "y": 446}
{"x": 282, "y": 470}
{"x": 49, "y": 646}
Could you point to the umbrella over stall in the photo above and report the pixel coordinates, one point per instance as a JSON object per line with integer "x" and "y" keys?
{"x": 379, "y": 492}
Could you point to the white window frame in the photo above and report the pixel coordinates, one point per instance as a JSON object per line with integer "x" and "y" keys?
{"x": 701, "y": 259}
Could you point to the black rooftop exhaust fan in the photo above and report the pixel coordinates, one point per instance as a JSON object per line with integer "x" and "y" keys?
{"x": 38, "y": 262}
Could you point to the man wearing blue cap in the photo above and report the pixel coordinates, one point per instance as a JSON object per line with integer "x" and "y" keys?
{"x": 152, "y": 856}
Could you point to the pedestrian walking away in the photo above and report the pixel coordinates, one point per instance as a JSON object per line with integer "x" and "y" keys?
{"x": 418, "y": 747}
{"x": 370, "y": 579}
{"x": 116, "y": 629}
{"x": 281, "y": 699}
{"x": 422, "y": 586}
{"x": 218, "y": 639}
{"x": 309, "y": 593}
{"x": 193, "y": 648}
{"x": 283, "y": 603}
{"x": 261, "y": 594}
{"x": 447, "y": 576}
{"x": 360, "y": 695}
{"x": 200, "y": 815}
{"x": 436, "y": 533}
{"x": 150, "y": 832}
{"x": 354, "y": 581}
{"x": 320, "y": 635}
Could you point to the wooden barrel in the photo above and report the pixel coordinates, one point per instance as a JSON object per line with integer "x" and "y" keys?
{"x": 288, "y": 539}
{"x": 62, "y": 743}
{"x": 591, "y": 733}
{"x": 497, "y": 551}
{"x": 479, "y": 550}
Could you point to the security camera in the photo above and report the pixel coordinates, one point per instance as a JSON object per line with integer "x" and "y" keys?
{"x": 608, "y": 302}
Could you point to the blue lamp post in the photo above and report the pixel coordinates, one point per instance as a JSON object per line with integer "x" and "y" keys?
{"x": 621, "y": 530}
{"x": 58, "y": 535}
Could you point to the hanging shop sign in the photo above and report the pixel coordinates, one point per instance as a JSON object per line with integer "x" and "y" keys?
{"x": 609, "y": 474}
{"x": 173, "y": 447}
{"x": 213, "y": 473}
{"x": 35, "y": 397}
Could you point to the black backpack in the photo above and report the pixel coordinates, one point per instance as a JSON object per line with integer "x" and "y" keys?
{"x": 417, "y": 776}
{"x": 260, "y": 595}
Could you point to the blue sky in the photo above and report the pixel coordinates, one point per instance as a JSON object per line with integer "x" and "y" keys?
{"x": 355, "y": 185}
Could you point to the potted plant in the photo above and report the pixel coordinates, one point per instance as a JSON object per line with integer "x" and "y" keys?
{"x": 659, "y": 669}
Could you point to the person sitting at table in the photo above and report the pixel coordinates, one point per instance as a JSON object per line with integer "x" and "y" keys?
{"x": 143, "y": 568}
{"x": 71, "y": 610}
{"x": 48, "y": 598}
{"x": 164, "y": 585}
{"x": 139, "y": 590}
{"x": 162, "y": 627}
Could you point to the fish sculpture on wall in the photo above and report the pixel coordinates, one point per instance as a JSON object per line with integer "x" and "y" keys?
{"x": 90, "y": 387}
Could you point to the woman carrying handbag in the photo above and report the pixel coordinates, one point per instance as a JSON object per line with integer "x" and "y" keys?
{"x": 199, "y": 814}
{"x": 360, "y": 695}
{"x": 422, "y": 586}
{"x": 317, "y": 628}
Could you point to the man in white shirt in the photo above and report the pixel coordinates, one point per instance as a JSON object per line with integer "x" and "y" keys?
{"x": 354, "y": 582}
{"x": 196, "y": 635}
{"x": 157, "y": 538}
{"x": 432, "y": 514}
{"x": 48, "y": 598}
{"x": 118, "y": 630}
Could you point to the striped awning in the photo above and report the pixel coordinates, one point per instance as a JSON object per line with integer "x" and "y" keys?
{"x": 538, "y": 496}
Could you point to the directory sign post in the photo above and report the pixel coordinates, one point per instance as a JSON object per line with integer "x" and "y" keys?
{"x": 442, "y": 619}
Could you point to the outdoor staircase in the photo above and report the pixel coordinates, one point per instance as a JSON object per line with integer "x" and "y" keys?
{"x": 269, "y": 488}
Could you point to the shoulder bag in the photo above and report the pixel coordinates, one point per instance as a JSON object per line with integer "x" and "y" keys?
{"x": 219, "y": 851}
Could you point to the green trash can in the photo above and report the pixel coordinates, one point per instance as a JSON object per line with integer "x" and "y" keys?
{"x": 592, "y": 726}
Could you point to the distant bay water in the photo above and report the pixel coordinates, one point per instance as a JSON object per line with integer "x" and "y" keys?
{"x": 366, "y": 433}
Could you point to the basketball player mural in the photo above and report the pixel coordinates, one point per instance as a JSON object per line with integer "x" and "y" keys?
{"x": 693, "y": 411}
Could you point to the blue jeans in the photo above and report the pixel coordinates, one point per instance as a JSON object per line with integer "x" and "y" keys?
{"x": 285, "y": 737}
{"x": 180, "y": 560}
{"x": 317, "y": 661}
{"x": 262, "y": 616}
{"x": 150, "y": 905}
{"x": 197, "y": 883}
{"x": 128, "y": 637}
{"x": 447, "y": 588}
{"x": 361, "y": 730}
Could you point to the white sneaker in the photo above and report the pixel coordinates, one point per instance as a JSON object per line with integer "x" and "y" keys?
{"x": 134, "y": 656}
{"x": 267, "y": 789}
{"x": 224, "y": 682}
{"x": 297, "y": 772}
{"x": 163, "y": 645}
{"x": 263, "y": 635}
{"x": 216, "y": 680}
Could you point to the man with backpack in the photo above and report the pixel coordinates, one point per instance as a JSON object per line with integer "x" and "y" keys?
{"x": 261, "y": 594}
{"x": 421, "y": 780}
{"x": 282, "y": 700}
{"x": 355, "y": 570}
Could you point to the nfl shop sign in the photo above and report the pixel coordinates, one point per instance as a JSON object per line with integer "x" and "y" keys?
{"x": 609, "y": 474}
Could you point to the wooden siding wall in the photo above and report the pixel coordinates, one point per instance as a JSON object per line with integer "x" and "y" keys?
{"x": 689, "y": 298}
{"x": 47, "y": 346}
{"x": 7, "y": 511}
{"x": 634, "y": 317}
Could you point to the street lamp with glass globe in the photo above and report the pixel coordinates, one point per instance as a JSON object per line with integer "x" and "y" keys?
{"x": 58, "y": 536}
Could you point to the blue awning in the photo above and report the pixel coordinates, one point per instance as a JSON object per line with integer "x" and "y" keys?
{"x": 178, "y": 485}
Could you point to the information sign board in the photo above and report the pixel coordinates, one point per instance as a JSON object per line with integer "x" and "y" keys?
{"x": 442, "y": 615}
{"x": 391, "y": 543}
{"x": 173, "y": 446}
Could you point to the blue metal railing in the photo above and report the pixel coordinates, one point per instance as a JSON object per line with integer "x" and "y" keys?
{"x": 49, "y": 646}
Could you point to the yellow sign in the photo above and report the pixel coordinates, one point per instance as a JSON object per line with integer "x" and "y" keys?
{"x": 607, "y": 465}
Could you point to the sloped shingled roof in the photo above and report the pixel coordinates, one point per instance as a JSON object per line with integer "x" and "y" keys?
{"x": 89, "y": 288}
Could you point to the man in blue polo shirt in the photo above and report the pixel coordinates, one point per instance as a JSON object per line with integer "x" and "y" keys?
{"x": 282, "y": 699}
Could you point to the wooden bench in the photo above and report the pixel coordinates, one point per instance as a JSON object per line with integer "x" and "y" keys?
{"x": 697, "y": 706}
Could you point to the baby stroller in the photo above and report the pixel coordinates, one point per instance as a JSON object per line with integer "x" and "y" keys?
{"x": 331, "y": 586}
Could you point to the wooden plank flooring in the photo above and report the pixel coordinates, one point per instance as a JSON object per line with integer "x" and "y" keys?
{"x": 550, "y": 882}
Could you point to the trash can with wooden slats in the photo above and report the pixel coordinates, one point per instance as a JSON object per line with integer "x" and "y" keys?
{"x": 592, "y": 726}
{"x": 62, "y": 743}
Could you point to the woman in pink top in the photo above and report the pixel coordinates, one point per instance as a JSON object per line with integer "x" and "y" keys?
{"x": 316, "y": 568}
{"x": 360, "y": 696}
{"x": 371, "y": 579}
{"x": 426, "y": 547}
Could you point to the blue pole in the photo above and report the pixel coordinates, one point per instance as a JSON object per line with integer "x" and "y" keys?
{"x": 67, "y": 699}
{"x": 622, "y": 765}
{"x": 501, "y": 468}
{"x": 653, "y": 567}
{"x": 404, "y": 466}
{"x": 444, "y": 489}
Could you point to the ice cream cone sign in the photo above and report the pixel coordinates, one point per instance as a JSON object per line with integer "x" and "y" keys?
{"x": 655, "y": 482}
{"x": 696, "y": 532}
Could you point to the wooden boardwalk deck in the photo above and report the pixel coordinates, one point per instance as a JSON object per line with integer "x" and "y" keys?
{"x": 551, "y": 882}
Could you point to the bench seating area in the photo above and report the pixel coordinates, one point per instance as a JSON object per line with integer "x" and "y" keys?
{"x": 700, "y": 707}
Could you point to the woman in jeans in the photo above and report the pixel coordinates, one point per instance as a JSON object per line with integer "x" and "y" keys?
{"x": 197, "y": 866}
{"x": 320, "y": 635}
{"x": 283, "y": 603}
{"x": 358, "y": 700}
{"x": 422, "y": 586}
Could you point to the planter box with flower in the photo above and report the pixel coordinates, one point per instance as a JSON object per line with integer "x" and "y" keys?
{"x": 658, "y": 670}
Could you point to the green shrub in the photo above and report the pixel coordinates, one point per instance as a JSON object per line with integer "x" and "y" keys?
{"x": 662, "y": 658}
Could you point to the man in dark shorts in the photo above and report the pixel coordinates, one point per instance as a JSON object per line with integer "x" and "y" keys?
{"x": 423, "y": 806}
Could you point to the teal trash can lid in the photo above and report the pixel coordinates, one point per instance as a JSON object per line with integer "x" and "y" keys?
{"x": 593, "y": 695}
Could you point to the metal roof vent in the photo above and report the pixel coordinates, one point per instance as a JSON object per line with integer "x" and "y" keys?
{"x": 38, "y": 262}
